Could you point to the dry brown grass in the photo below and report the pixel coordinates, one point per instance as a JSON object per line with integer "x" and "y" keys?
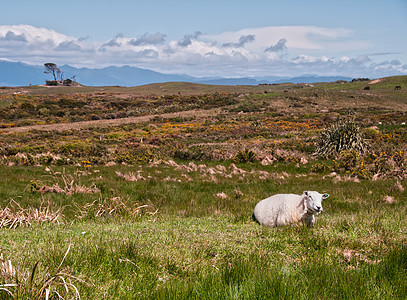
{"x": 64, "y": 184}
{"x": 17, "y": 216}
{"x": 115, "y": 206}
{"x": 30, "y": 284}
{"x": 131, "y": 176}
{"x": 69, "y": 189}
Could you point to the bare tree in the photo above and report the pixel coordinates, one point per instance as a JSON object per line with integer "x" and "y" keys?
{"x": 51, "y": 68}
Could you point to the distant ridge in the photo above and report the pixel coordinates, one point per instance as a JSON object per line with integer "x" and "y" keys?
{"x": 19, "y": 74}
{"x": 313, "y": 78}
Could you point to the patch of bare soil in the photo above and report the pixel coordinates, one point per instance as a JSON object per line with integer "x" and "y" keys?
{"x": 110, "y": 122}
{"x": 376, "y": 81}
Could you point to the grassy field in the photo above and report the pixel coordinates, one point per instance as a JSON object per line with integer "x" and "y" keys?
{"x": 161, "y": 209}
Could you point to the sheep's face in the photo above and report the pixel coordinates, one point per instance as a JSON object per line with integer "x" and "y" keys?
{"x": 314, "y": 201}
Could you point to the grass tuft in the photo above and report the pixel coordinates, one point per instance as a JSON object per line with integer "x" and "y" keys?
{"x": 34, "y": 284}
{"x": 17, "y": 216}
{"x": 111, "y": 207}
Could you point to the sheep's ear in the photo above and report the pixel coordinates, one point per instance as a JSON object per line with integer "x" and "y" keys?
{"x": 324, "y": 196}
{"x": 306, "y": 193}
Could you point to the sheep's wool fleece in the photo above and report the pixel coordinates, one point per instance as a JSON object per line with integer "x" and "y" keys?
{"x": 280, "y": 210}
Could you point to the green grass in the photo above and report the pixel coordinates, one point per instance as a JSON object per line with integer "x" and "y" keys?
{"x": 213, "y": 258}
{"x": 200, "y": 246}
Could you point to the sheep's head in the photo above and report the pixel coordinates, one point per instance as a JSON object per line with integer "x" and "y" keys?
{"x": 314, "y": 201}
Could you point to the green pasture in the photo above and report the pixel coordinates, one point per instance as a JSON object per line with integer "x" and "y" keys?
{"x": 186, "y": 242}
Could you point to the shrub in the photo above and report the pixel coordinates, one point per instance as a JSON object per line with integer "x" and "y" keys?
{"x": 51, "y": 82}
{"x": 136, "y": 154}
{"x": 344, "y": 135}
{"x": 319, "y": 168}
{"x": 347, "y": 160}
{"x": 360, "y": 79}
{"x": 192, "y": 153}
{"x": 244, "y": 156}
{"x": 351, "y": 162}
{"x": 67, "y": 82}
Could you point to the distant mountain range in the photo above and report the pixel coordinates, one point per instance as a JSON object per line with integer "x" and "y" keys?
{"x": 19, "y": 74}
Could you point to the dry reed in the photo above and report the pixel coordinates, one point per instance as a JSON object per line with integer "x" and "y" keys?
{"x": 115, "y": 206}
{"x": 17, "y": 216}
{"x": 27, "y": 285}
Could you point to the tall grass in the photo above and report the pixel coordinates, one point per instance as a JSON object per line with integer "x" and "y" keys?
{"x": 218, "y": 258}
{"x": 256, "y": 279}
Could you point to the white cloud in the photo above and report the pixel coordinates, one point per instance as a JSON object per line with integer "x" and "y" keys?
{"x": 280, "y": 46}
{"x": 149, "y": 39}
{"x": 188, "y": 38}
{"x": 297, "y": 37}
{"x": 243, "y": 40}
{"x": 11, "y": 36}
{"x": 34, "y": 34}
{"x": 279, "y": 50}
{"x": 68, "y": 46}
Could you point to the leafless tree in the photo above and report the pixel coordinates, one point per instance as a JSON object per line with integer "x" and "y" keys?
{"x": 51, "y": 68}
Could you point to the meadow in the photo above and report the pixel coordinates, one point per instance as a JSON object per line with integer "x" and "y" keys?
{"x": 160, "y": 208}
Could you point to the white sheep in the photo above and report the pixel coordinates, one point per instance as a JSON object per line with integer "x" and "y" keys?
{"x": 284, "y": 209}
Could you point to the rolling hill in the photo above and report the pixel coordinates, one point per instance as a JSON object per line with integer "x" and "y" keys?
{"x": 19, "y": 74}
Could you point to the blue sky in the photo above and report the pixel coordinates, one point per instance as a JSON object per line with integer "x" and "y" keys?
{"x": 211, "y": 38}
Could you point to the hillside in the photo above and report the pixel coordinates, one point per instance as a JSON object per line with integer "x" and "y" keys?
{"x": 18, "y": 74}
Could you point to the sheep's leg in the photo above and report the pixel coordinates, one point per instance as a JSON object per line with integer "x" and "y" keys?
{"x": 309, "y": 221}
{"x": 254, "y": 218}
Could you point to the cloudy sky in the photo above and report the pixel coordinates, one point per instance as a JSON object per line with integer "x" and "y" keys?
{"x": 356, "y": 38}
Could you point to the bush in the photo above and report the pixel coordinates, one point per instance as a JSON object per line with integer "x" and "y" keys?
{"x": 244, "y": 156}
{"x": 198, "y": 153}
{"x": 319, "y": 168}
{"x": 136, "y": 155}
{"x": 351, "y": 162}
{"x": 51, "y": 82}
{"x": 67, "y": 82}
{"x": 344, "y": 135}
{"x": 347, "y": 160}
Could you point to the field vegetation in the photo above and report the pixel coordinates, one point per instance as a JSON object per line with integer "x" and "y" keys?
{"x": 160, "y": 207}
